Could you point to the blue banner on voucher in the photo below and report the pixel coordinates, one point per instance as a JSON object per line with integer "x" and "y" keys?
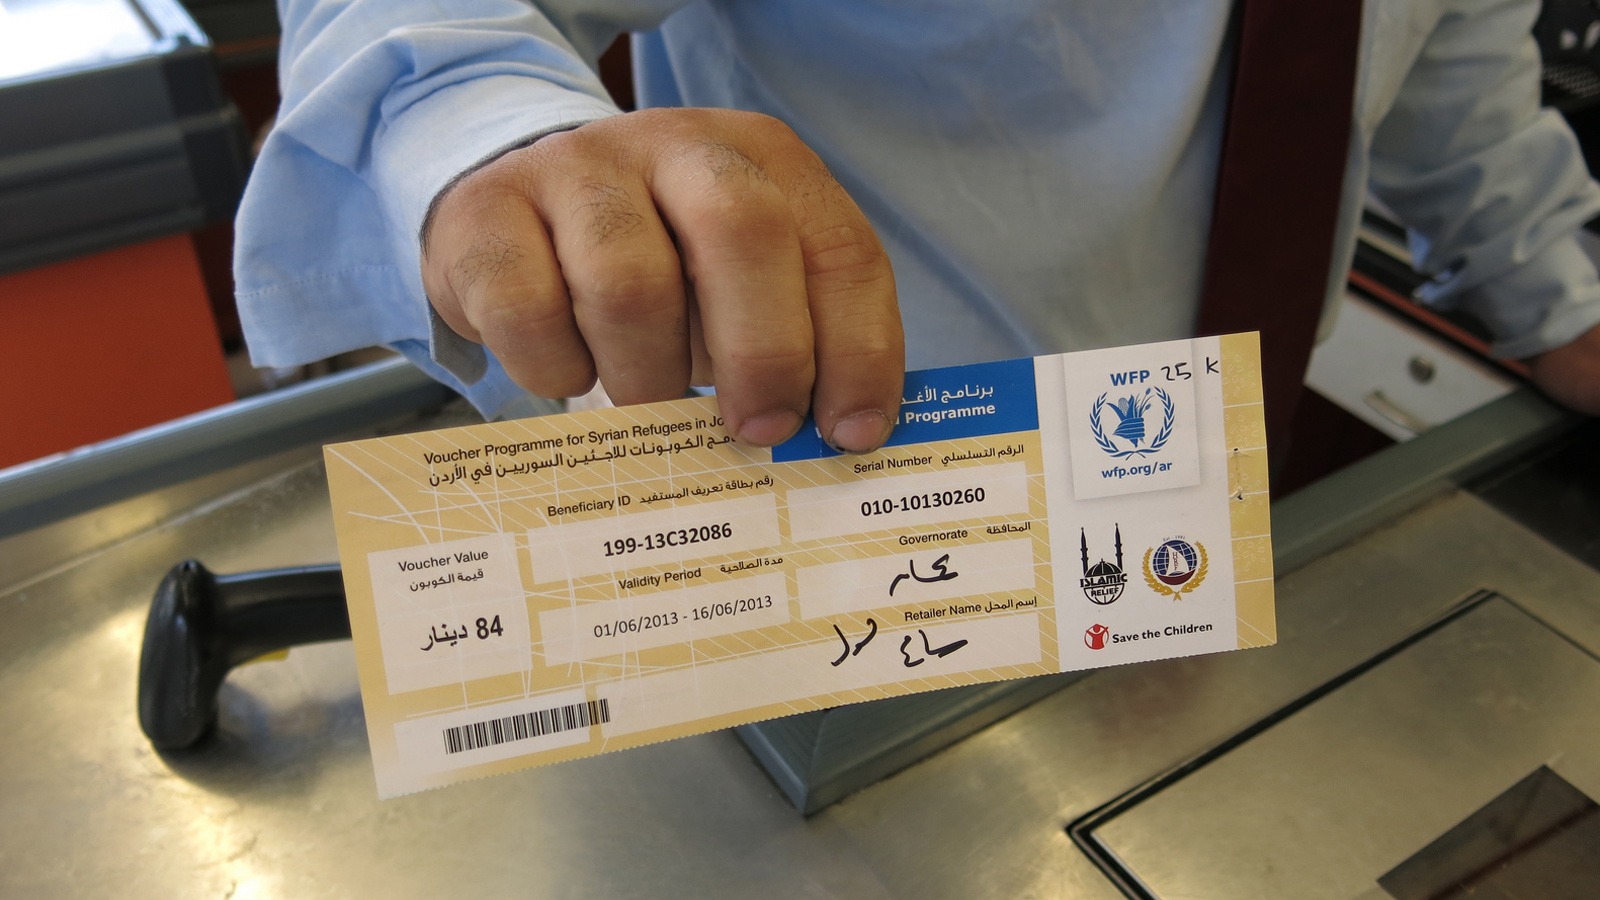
{"x": 945, "y": 404}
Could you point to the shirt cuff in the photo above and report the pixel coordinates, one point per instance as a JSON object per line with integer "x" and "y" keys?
{"x": 450, "y": 130}
{"x": 1540, "y": 305}
{"x": 434, "y": 140}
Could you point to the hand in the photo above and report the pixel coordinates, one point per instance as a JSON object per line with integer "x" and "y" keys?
{"x": 1570, "y": 374}
{"x": 667, "y": 247}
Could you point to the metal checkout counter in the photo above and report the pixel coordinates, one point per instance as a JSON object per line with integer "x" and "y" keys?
{"x": 1428, "y": 719}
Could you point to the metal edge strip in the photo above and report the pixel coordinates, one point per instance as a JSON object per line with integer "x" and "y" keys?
{"x": 45, "y": 490}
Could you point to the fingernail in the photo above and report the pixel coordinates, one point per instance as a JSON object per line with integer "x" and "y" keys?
{"x": 769, "y": 428}
{"x": 860, "y": 433}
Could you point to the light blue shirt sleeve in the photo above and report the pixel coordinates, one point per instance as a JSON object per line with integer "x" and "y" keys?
{"x": 1493, "y": 188}
{"x": 384, "y": 101}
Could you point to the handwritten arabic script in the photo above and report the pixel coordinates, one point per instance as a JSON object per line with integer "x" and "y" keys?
{"x": 941, "y": 572}
{"x": 928, "y": 650}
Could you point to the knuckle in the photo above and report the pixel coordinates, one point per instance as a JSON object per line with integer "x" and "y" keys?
{"x": 516, "y": 306}
{"x": 767, "y": 358}
{"x": 718, "y": 152}
{"x": 846, "y": 254}
{"x": 479, "y": 196}
{"x": 513, "y": 319}
{"x": 769, "y": 130}
{"x": 558, "y": 144}
{"x": 607, "y": 212}
{"x": 567, "y": 157}
{"x": 725, "y": 161}
{"x": 740, "y": 215}
{"x": 486, "y": 261}
{"x": 817, "y": 194}
{"x": 621, "y": 289}
{"x": 862, "y": 342}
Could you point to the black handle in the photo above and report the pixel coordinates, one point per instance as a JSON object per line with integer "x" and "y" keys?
{"x": 201, "y": 625}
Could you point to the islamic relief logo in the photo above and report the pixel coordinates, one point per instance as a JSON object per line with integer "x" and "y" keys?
{"x": 1176, "y": 567}
{"x": 1102, "y": 582}
{"x": 1132, "y": 414}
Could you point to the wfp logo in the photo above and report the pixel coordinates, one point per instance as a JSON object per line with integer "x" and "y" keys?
{"x": 1130, "y": 417}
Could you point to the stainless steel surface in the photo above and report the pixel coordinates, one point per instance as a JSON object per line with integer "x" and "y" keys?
{"x": 1324, "y": 803}
{"x": 56, "y": 487}
{"x": 819, "y": 757}
{"x": 1084, "y": 746}
{"x": 63, "y": 542}
{"x": 282, "y": 804}
{"x": 1387, "y": 485}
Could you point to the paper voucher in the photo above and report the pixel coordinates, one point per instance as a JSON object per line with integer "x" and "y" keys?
{"x": 539, "y": 590}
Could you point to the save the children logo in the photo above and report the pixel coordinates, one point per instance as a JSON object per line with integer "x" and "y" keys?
{"x": 1094, "y": 637}
{"x": 1175, "y": 567}
{"x": 1141, "y": 422}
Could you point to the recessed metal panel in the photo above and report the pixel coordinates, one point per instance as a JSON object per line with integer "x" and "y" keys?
{"x": 1540, "y": 838}
{"x": 1326, "y": 801}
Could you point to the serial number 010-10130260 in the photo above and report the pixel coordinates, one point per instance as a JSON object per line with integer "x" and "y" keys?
{"x": 913, "y": 502}
{"x": 921, "y": 498}
{"x": 677, "y": 537}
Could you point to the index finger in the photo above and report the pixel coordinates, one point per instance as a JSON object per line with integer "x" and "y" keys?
{"x": 855, "y": 314}
{"x": 795, "y": 294}
{"x": 742, "y": 259}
